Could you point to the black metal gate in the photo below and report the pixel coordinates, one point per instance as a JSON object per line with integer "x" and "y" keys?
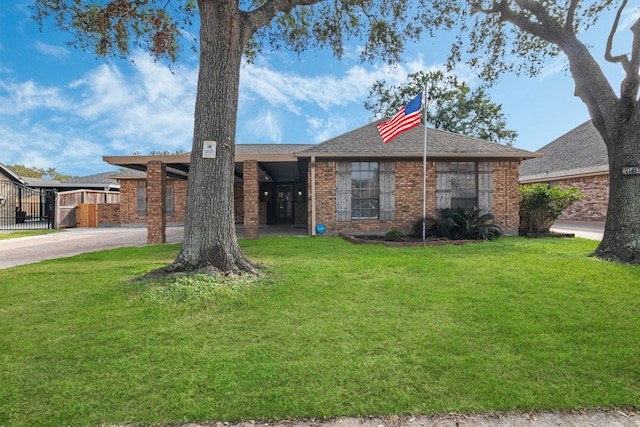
{"x": 24, "y": 208}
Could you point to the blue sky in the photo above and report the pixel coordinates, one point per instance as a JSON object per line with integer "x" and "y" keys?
{"x": 63, "y": 108}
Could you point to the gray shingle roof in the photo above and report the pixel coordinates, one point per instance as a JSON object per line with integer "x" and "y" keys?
{"x": 578, "y": 152}
{"x": 99, "y": 178}
{"x": 366, "y": 140}
{"x": 270, "y": 148}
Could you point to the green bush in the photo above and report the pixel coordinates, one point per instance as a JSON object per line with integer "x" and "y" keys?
{"x": 541, "y": 205}
{"x": 463, "y": 224}
{"x": 460, "y": 224}
{"x": 393, "y": 236}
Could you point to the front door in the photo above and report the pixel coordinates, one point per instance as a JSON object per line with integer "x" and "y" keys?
{"x": 284, "y": 202}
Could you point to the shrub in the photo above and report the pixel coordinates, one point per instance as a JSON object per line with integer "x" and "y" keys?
{"x": 393, "y": 236}
{"x": 459, "y": 224}
{"x": 431, "y": 227}
{"x": 541, "y": 205}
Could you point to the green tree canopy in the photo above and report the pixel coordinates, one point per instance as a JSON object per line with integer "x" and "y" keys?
{"x": 33, "y": 172}
{"x": 451, "y": 105}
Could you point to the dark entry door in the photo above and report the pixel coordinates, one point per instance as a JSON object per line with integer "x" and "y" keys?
{"x": 284, "y": 204}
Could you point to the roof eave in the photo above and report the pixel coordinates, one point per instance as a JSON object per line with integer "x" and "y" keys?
{"x": 518, "y": 156}
{"x": 532, "y": 179}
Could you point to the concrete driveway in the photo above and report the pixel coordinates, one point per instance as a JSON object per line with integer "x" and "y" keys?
{"x": 74, "y": 241}
{"x": 593, "y": 232}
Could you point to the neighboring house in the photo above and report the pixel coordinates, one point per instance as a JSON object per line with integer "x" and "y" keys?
{"x": 577, "y": 159}
{"x": 44, "y": 203}
{"x": 353, "y": 183}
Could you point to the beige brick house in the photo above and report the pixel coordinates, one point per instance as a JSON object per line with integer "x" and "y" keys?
{"x": 352, "y": 183}
{"x": 577, "y": 159}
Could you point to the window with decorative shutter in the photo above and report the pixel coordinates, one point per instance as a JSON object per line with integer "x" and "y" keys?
{"x": 443, "y": 186}
{"x": 343, "y": 191}
{"x": 387, "y": 191}
{"x": 365, "y": 190}
{"x": 485, "y": 187}
{"x": 464, "y": 185}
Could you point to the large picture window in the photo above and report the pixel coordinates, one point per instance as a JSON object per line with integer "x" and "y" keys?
{"x": 464, "y": 186}
{"x": 365, "y": 190}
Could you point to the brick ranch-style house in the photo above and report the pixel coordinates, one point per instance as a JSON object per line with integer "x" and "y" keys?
{"x": 577, "y": 159}
{"x": 353, "y": 183}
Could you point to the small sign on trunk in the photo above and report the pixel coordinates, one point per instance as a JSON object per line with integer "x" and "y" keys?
{"x": 209, "y": 150}
{"x": 631, "y": 170}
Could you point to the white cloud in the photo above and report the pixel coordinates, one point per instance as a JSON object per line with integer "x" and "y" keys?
{"x": 52, "y": 50}
{"x": 151, "y": 109}
{"x": 290, "y": 90}
{"x": 266, "y": 127}
{"x": 21, "y": 97}
{"x": 322, "y": 129}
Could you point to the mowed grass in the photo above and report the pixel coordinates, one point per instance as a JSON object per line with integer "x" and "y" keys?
{"x": 332, "y": 329}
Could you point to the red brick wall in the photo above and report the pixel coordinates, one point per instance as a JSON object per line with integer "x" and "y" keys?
{"x": 594, "y": 206}
{"x": 238, "y": 202}
{"x": 128, "y": 202}
{"x": 179, "y": 201}
{"x": 506, "y": 195}
{"x": 108, "y": 213}
{"x": 156, "y": 202}
{"x": 251, "y": 199}
{"x": 408, "y": 198}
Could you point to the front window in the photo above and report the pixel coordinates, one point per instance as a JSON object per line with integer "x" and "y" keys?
{"x": 365, "y": 190}
{"x": 464, "y": 186}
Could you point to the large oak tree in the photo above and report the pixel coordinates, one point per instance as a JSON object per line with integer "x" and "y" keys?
{"x": 227, "y": 30}
{"x": 513, "y": 36}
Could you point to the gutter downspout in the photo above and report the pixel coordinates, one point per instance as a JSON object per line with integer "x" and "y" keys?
{"x": 313, "y": 196}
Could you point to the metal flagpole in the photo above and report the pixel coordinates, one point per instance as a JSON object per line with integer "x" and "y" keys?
{"x": 424, "y": 164}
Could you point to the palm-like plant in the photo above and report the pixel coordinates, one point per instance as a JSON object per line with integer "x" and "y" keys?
{"x": 458, "y": 224}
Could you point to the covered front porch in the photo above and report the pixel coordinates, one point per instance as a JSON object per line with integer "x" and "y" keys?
{"x": 270, "y": 191}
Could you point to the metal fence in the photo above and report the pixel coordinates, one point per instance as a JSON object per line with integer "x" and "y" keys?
{"x": 25, "y": 208}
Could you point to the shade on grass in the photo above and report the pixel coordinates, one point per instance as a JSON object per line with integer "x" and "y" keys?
{"x": 333, "y": 329}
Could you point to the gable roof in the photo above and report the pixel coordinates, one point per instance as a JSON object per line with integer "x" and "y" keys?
{"x": 579, "y": 152}
{"x": 366, "y": 142}
{"x": 10, "y": 174}
{"x": 91, "y": 182}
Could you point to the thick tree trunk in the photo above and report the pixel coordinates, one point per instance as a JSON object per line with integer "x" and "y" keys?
{"x": 209, "y": 235}
{"x": 621, "y": 240}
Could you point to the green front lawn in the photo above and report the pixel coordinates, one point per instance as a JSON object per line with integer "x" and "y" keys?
{"x": 333, "y": 329}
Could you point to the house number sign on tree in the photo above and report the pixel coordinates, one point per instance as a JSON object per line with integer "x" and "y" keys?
{"x": 209, "y": 150}
{"x": 631, "y": 170}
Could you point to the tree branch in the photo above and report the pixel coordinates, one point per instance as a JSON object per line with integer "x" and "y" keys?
{"x": 607, "y": 53}
{"x": 261, "y": 16}
{"x": 571, "y": 13}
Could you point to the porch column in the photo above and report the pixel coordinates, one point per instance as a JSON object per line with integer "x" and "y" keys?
{"x": 156, "y": 202}
{"x": 251, "y": 189}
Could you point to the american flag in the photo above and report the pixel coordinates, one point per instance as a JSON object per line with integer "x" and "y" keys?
{"x": 407, "y": 118}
